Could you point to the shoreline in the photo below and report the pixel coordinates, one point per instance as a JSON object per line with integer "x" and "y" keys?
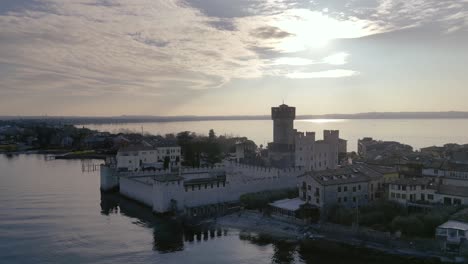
{"x": 58, "y": 154}
{"x": 251, "y": 221}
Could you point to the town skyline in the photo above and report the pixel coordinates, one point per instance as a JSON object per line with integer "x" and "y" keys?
{"x": 106, "y": 58}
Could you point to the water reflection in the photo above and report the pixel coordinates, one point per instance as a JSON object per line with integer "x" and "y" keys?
{"x": 168, "y": 234}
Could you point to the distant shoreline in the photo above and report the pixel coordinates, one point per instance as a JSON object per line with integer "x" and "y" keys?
{"x": 148, "y": 119}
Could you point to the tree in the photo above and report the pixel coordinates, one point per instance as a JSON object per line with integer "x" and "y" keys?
{"x": 211, "y": 135}
{"x": 167, "y": 161}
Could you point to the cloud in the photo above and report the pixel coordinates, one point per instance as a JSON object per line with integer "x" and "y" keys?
{"x": 294, "y": 61}
{"x": 339, "y": 73}
{"x": 336, "y": 59}
{"x": 268, "y": 32}
{"x": 141, "y": 47}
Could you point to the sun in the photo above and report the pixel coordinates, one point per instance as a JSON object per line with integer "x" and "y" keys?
{"x": 315, "y": 29}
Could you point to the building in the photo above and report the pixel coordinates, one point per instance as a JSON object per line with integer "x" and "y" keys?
{"x": 281, "y": 150}
{"x": 349, "y": 186}
{"x": 368, "y": 148}
{"x": 287, "y": 208}
{"x": 453, "y": 234}
{"x": 197, "y": 191}
{"x": 291, "y": 148}
{"x": 317, "y": 155}
{"x": 447, "y": 172}
{"x": 426, "y": 191}
{"x": 137, "y": 158}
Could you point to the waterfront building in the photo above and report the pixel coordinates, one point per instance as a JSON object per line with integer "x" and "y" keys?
{"x": 287, "y": 208}
{"x": 291, "y": 148}
{"x": 426, "y": 191}
{"x": 137, "y": 158}
{"x": 195, "y": 191}
{"x": 453, "y": 234}
{"x": 348, "y": 186}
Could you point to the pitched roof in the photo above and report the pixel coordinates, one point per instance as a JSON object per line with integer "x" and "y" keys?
{"x": 453, "y": 190}
{"x": 348, "y": 174}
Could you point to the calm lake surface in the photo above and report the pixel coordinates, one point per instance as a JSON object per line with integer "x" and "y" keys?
{"x": 53, "y": 212}
{"x": 415, "y": 132}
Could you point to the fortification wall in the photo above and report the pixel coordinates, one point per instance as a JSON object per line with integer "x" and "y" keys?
{"x": 108, "y": 178}
{"x": 137, "y": 190}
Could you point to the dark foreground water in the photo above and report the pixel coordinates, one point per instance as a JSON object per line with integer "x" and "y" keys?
{"x": 52, "y": 212}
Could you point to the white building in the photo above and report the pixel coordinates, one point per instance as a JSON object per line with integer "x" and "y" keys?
{"x": 448, "y": 173}
{"x": 423, "y": 191}
{"x": 348, "y": 186}
{"x": 317, "y": 155}
{"x": 452, "y": 233}
{"x": 136, "y": 158}
{"x": 193, "y": 191}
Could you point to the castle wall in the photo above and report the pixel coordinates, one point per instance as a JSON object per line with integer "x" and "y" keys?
{"x": 108, "y": 178}
{"x": 137, "y": 190}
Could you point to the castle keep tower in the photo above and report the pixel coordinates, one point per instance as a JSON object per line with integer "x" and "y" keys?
{"x": 283, "y": 124}
{"x": 281, "y": 150}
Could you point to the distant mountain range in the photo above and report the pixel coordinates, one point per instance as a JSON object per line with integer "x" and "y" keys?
{"x": 146, "y": 118}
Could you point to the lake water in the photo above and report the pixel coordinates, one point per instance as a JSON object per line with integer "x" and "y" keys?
{"x": 415, "y": 132}
{"x": 53, "y": 212}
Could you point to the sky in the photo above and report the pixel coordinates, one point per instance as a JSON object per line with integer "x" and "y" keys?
{"x": 231, "y": 57}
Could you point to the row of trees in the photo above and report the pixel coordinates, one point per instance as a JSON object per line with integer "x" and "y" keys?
{"x": 389, "y": 216}
{"x": 198, "y": 150}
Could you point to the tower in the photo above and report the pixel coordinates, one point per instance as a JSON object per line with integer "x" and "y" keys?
{"x": 283, "y": 124}
{"x": 281, "y": 150}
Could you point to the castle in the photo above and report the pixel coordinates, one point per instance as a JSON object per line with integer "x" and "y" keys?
{"x": 291, "y": 148}
{"x": 206, "y": 190}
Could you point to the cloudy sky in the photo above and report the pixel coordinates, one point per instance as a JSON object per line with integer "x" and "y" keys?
{"x": 222, "y": 57}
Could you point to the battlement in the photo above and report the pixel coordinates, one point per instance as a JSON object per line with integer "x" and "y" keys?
{"x": 258, "y": 170}
{"x": 331, "y": 135}
{"x": 283, "y": 112}
{"x": 301, "y": 135}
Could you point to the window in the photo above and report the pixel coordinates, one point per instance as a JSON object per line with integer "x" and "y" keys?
{"x": 339, "y": 199}
{"x": 309, "y": 198}
{"x": 317, "y": 191}
{"x": 317, "y": 200}
{"x": 403, "y": 187}
{"x": 309, "y": 187}
{"x": 345, "y": 188}
{"x": 354, "y": 199}
{"x": 398, "y": 196}
{"x": 359, "y": 187}
{"x": 430, "y": 197}
{"x": 354, "y": 188}
{"x": 403, "y": 196}
{"x": 339, "y": 188}
{"x": 345, "y": 199}
{"x": 392, "y": 195}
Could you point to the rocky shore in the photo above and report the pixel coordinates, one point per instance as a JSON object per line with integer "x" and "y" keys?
{"x": 252, "y": 221}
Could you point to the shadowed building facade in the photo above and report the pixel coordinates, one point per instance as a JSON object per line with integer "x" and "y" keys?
{"x": 281, "y": 150}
